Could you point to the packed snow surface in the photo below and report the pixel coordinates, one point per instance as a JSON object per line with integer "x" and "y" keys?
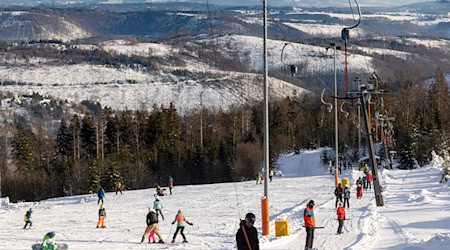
{"x": 415, "y": 215}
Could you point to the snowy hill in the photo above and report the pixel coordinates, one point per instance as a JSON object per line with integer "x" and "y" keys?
{"x": 415, "y": 215}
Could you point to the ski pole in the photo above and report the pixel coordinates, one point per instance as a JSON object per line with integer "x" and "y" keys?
{"x": 170, "y": 231}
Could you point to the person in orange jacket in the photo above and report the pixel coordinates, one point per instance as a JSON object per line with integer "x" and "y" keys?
{"x": 179, "y": 218}
{"x": 310, "y": 224}
{"x": 341, "y": 217}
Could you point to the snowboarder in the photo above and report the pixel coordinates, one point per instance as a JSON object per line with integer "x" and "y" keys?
{"x": 157, "y": 205}
{"x": 152, "y": 224}
{"x": 369, "y": 179}
{"x": 247, "y": 235}
{"x": 338, "y": 192}
{"x": 100, "y": 194}
{"x": 170, "y": 179}
{"x": 341, "y": 217}
{"x": 27, "y": 218}
{"x": 118, "y": 187}
{"x": 48, "y": 243}
{"x": 310, "y": 224}
{"x": 271, "y": 175}
{"x": 347, "y": 196}
{"x": 101, "y": 217}
{"x": 179, "y": 218}
{"x": 359, "y": 191}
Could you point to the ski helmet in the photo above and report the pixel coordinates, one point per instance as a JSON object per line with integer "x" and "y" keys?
{"x": 311, "y": 203}
{"x": 31, "y": 209}
{"x": 250, "y": 217}
{"x": 51, "y": 234}
{"x": 157, "y": 197}
{"x": 101, "y": 206}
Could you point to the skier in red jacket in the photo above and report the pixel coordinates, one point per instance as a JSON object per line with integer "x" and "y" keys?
{"x": 340, "y": 216}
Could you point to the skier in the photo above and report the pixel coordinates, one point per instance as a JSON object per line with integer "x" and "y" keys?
{"x": 151, "y": 237}
{"x": 369, "y": 179}
{"x": 341, "y": 217}
{"x": 247, "y": 235}
{"x": 152, "y": 224}
{"x": 359, "y": 191}
{"x": 271, "y": 175}
{"x": 101, "y": 217}
{"x": 118, "y": 187}
{"x": 157, "y": 205}
{"x": 364, "y": 182}
{"x": 347, "y": 196}
{"x": 170, "y": 183}
{"x": 310, "y": 224}
{"x": 338, "y": 193}
{"x": 100, "y": 194}
{"x": 359, "y": 181}
{"x": 48, "y": 243}
{"x": 160, "y": 191}
{"x": 366, "y": 169}
{"x": 27, "y": 218}
{"x": 180, "y": 225}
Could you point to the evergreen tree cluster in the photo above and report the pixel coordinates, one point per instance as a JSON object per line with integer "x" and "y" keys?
{"x": 141, "y": 147}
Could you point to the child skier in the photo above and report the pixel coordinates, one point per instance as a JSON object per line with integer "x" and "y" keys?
{"x": 347, "y": 196}
{"x": 27, "y": 218}
{"x": 359, "y": 191}
{"x": 364, "y": 182}
{"x": 157, "y": 205}
{"x": 151, "y": 237}
{"x": 101, "y": 217}
{"x": 48, "y": 243}
{"x": 152, "y": 224}
{"x": 341, "y": 217}
{"x": 100, "y": 194}
{"x": 247, "y": 235}
{"x": 180, "y": 226}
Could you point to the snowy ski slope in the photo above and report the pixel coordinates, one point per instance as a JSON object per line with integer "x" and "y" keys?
{"x": 415, "y": 216}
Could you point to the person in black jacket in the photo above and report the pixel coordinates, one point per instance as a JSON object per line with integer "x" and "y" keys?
{"x": 247, "y": 235}
{"x": 338, "y": 192}
{"x": 152, "y": 224}
{"x": 27, "y": 218}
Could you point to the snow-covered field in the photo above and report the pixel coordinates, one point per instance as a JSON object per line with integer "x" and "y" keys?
{"x": 415, "y": 215}
{"x": 310, "y": 58}
{"x": 134, "y": 89}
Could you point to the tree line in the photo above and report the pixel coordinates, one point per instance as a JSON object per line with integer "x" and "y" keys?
{"x": 139, "y": 147}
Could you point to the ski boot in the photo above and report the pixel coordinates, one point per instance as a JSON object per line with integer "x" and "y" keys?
{"x": 173, "y": 241}
{"x": 161, "y": 242}
{"x": 185, "y": 241}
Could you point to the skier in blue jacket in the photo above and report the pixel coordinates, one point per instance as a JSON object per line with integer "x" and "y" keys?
{"x": 101, "y": 194}
{"x": 157, "y": 205}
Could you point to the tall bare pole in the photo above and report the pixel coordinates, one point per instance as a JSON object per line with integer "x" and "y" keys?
{"x": 265, "y": 200}
{"x": 336, "y": 131}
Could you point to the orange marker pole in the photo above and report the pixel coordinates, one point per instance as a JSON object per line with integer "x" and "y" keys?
{"x": 265, "y": 216}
